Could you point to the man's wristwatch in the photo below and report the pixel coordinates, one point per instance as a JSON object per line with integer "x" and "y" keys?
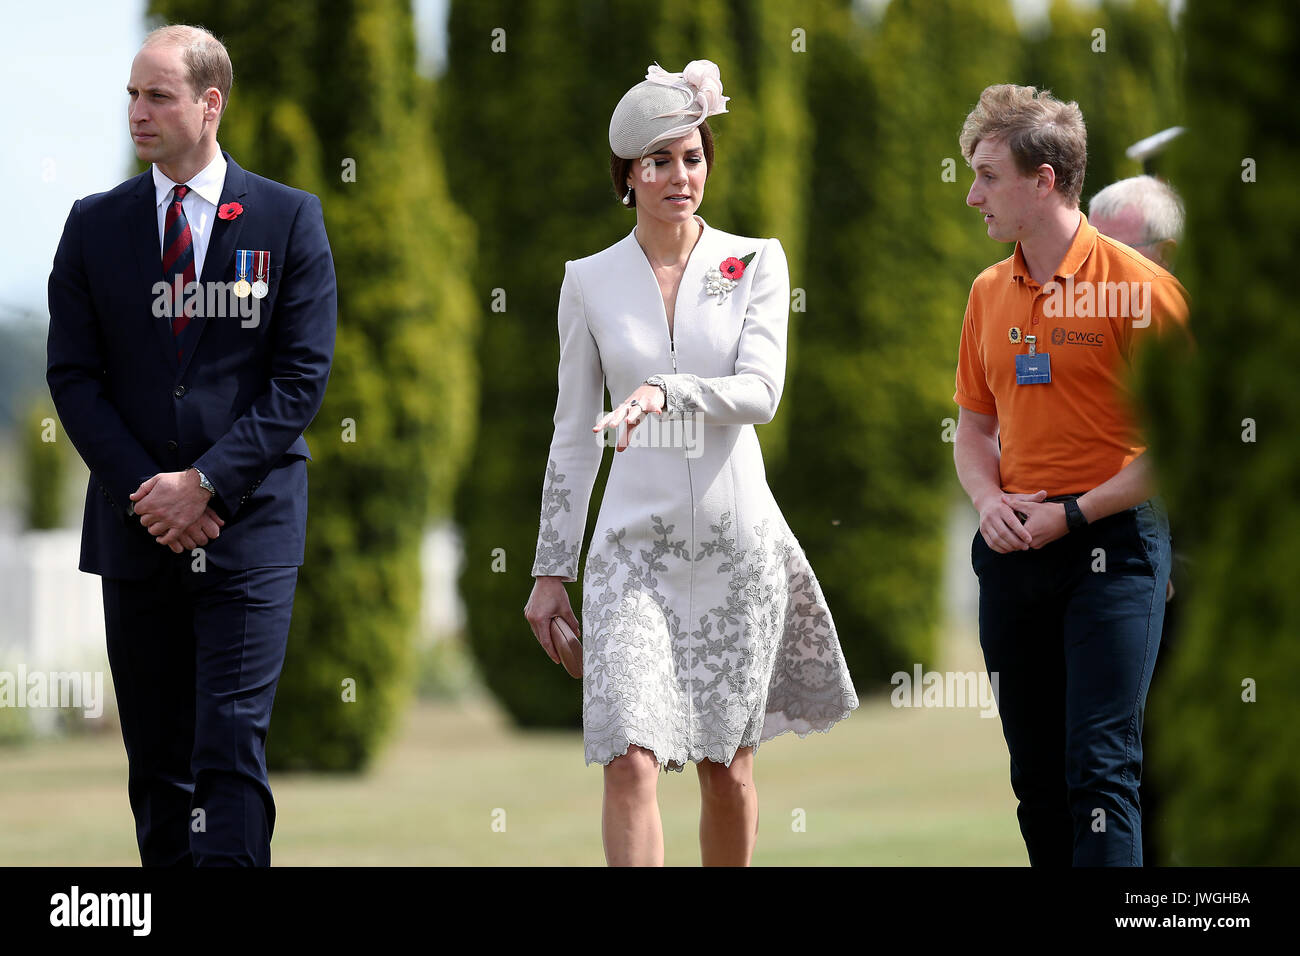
{"x": 1074, "y": 518}
{"x": 205, "y": 484}
{"x": 659, "y": 380}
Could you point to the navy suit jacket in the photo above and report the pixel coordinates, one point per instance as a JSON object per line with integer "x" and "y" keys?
{"x": 235, "y": 406}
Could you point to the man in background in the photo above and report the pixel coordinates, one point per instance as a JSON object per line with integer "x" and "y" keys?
{"x": 1142, "y": 212}
{"x": 1146, "y": 214}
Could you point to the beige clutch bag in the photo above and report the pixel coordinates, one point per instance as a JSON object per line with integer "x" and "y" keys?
{"x": 567, "y": 646}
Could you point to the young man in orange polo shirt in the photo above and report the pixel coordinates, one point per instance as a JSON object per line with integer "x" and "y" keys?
{"x": 1073, "y": 551}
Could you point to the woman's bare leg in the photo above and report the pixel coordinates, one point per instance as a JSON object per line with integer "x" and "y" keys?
{"x": 630, "y": 824}
{"x": 728, "y": 810}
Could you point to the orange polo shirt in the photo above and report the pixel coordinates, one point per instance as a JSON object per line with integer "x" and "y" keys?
{"x": 1073, "y": 433}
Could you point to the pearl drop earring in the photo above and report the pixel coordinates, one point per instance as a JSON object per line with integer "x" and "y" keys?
{"x": 627, "y": 200}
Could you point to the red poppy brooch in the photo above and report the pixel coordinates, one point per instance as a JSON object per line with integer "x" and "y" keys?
{"x": 725, "y": 277}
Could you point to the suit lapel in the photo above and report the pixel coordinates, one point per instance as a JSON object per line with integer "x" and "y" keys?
{"x": 142, "y": 226}
{"x": 221, "y": 250}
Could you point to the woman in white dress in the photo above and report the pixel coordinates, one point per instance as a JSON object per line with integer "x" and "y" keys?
{"x": 704, "y": 629}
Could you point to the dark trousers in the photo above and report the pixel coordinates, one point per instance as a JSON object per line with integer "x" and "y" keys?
{"x": 1072, "y": 630}
{"x": 195, "y": 657}
{"x": 1153, "y": 792}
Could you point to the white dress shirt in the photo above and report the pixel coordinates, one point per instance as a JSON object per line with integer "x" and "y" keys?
{"x": 200, "y": 205}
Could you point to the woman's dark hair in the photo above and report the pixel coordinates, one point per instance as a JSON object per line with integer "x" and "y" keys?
{"x": 620, "y": 168}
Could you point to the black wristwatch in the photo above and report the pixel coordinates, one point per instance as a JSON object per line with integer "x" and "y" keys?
{"x": 1074, "y": 517}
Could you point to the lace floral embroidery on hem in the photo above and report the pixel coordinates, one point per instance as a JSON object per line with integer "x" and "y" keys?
{"x": 763, "y": 663}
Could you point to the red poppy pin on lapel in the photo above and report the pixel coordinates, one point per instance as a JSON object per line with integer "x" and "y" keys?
{"x": 726, "y": 276}
{"x": 230, "y": 210}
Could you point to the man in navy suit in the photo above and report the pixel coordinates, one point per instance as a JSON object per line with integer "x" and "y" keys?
{"x": 190, "y": 416}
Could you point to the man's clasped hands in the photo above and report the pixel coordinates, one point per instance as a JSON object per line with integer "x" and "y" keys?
{"x": 175, "y": 510}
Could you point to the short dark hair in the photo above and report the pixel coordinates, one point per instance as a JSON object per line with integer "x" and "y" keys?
{"x": 620, "y": 168}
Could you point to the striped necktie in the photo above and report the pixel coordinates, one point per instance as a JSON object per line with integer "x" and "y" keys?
{"x": 178, "y": 258}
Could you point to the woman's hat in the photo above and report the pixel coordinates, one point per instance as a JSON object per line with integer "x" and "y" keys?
{"x": 665, "y": 106}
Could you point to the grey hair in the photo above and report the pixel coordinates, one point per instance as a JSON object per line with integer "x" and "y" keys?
{"x": 1155, "y": 200}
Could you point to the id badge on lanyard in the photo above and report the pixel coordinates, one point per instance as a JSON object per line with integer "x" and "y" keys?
{"x": 1034, "y": 368}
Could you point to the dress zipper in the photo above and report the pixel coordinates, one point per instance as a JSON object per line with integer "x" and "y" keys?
{"x": 690, "y": 600}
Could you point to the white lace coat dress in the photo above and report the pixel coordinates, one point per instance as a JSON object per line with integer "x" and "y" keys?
{"x": 703, "y": 626}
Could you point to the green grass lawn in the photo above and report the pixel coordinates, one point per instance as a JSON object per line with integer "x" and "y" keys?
{"x": 885, "y": 787}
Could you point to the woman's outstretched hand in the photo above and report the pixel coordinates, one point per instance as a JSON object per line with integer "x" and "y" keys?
{"x": 549, "y": 599}
{"x": 651, "y": 398}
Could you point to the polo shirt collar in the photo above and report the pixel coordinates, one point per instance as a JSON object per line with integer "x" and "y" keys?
{"x": 207, "y": 182}
{"x": 1085, "y": 238}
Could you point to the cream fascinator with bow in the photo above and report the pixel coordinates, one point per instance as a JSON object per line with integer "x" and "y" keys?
{"x": 665, "y": 106}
